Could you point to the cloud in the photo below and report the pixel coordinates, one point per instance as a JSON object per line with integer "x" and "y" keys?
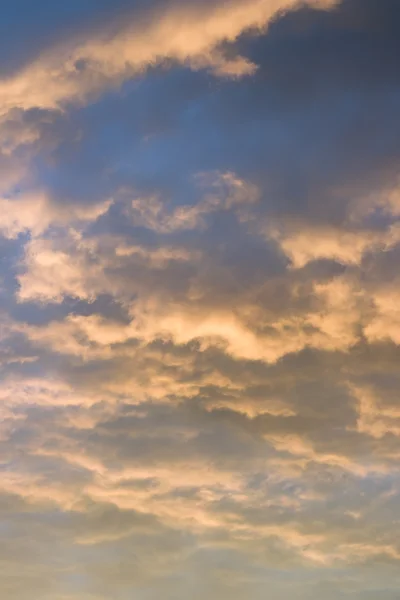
{"x": 52, "y": 274}
{"x": 385, "y": 324}
{"x": 179, "y": 34}
{"x": 303, "y": 243}
{"x": 227, "y": 192}
{"x": 199, "y": 333}
{"x": 34, "y": 213}
{"x": 377, "y": 416}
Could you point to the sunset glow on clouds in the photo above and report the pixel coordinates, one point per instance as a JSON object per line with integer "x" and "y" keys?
{"x": 200, "y": 300}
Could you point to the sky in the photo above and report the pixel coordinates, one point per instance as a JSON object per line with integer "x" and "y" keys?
{"x": 199, "y": 300}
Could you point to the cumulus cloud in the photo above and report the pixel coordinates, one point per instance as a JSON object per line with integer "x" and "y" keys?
{"x": 303, "y": 243}
{"x": 34, "y": 213}
{"x": 53, "y": 273}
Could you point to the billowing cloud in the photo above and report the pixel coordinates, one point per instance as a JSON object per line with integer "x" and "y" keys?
{"x": 35, "y": 213}
{"x": 185, "y": 34}
{"x": 303, "y": 243}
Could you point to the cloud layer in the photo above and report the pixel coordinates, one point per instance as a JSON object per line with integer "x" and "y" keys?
{"x": 199, "y": 324}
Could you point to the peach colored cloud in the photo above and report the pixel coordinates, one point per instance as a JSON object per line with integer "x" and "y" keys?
{"x": 303, "y": 242}
{"x": 190, "y": 34}
{"x": 34, "y": 213}
{"x": 377, "y": 416}
{"x": 225, "y": 192}
{"x": 385, "y": 324}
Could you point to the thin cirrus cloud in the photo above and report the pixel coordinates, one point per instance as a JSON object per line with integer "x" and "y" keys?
{"x": 199, "y": 331}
